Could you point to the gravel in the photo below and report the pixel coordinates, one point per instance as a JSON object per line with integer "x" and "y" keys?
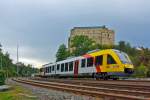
{"x": 47, "y": 94}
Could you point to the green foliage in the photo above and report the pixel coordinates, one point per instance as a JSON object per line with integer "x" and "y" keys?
{"x": 62, "y": 53}
{"x": 11, "y": 69}
{"x": 26, "y": 70}
{"x": 2, "y": 77}
{"x": 148, "y": 73}
{"x": 14, "y": 94}
{"x": 0, "y": 47}
{"x": 141, "y": 71}
{"x": 140, "y": 57}
{"x": 81, "y": 45}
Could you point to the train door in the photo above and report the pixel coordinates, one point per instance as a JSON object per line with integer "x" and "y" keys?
{"x": 98, "y": 63}
{"x": 76, "y": 65}
{"x": 111, "y": 64}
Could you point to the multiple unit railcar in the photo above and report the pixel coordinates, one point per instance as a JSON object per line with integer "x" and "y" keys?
{"x": 104, "y": 64}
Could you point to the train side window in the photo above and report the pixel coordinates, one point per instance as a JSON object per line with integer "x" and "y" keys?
{"x": 58, "y": 66}
{"x": 66, "y": 67}
{"x": 71, "y": 66}
{"x": 98, "y": 60}
{"x": 110, "y": 60}
{"x": 90, "y": 62}
{"x": 46, "y": 70}
{"x": 50, "y": 69}
{"x": 53, "y": 68}
{"x": 83, "y": 63}
{"x": 62, "y": 67}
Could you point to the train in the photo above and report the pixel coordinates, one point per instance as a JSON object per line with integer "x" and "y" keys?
{"x": 98, "y": 64}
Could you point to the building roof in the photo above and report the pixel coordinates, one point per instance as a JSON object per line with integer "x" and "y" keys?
{"x": 93, "y": 27}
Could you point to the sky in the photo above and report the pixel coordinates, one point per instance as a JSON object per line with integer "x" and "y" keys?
{"x": 40, "y": 26}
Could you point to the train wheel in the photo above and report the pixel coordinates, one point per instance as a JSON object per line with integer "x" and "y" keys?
{"x": 96, "y": 76}
{"x": 115, "y": 78}
{"x": 105, "y": 76}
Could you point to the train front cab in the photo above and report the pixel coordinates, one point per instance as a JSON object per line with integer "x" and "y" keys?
{"x": 114, "y": 64}
{"x": 117, "y": 64}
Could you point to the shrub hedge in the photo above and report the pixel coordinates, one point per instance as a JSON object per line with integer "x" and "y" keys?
{"x": 2, "y": 77}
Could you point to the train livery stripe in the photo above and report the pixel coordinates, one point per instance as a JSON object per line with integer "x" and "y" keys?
{"x": 98, "y": 69}
{"x": 87, "y": 56}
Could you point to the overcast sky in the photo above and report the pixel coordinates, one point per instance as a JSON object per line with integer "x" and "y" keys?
{"x": 40, "y": 26}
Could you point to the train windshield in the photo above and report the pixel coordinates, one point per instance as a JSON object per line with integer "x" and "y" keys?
{"x": 124, "y": 57}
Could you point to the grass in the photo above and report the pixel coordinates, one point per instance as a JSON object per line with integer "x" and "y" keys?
{"x": 17, "y": 93}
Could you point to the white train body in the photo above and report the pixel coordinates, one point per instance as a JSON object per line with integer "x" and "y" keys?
{"x": 101, "y": 64}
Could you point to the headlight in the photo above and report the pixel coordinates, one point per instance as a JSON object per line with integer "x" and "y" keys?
{"x": 128, "y": 70}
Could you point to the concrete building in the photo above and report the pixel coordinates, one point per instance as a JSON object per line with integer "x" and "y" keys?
{"x": 101, "y": 35}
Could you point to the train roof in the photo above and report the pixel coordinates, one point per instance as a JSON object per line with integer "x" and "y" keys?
{"x": 99, "y": 50}
{"x": 81, "y": 57}
{"x": 70, "y": 59}
{"x": 49, "y": 64}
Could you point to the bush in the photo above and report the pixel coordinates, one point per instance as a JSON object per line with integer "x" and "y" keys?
{"x": 2, "y": 77}
{"x": 141, "y": 71}
{"x": 148, "y": 73}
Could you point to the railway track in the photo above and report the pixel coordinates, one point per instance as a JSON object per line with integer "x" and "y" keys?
{"x": 93, "y": 80}
{"x": 120, "y": 84}
{"x": 115, "y": 93}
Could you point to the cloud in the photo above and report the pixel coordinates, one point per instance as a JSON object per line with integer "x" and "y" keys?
{"x": 35, "y": 62}
{"x": 40, "y": 26}
{"x": 29, "y": 55}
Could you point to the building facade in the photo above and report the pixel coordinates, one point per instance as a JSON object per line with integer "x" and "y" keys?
{"x": 101, "y": 35}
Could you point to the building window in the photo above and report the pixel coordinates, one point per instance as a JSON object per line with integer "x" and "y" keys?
{"x": 83, "y": 63}
{"x": 90, "y": 62}
{"x": 62, "y": 67}
{"x": 58, "y": 66}
{"x": 71, "y": 66}
{"x": 110, "y": 60}
{"x": 66, "y": 67}
{"x": 98, "y": 60}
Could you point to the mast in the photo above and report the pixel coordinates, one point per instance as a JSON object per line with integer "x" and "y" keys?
{"x": 17, "y": 59}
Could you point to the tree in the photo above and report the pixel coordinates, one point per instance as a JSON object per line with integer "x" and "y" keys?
{"x": 81, "y": 45}
{"x": 122, "y": 45}
{"x": 0, "y": 47}
{"x": 10, "y": 69}
{"x": 62, "y": 53}
{"x": 2, "y": 77}
{"x": 144, "y": 56}
{"x": 141, "y": 71}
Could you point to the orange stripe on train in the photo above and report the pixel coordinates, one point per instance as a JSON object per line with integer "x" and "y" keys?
{"x": 87, "y": 56}
{"x": 98, "y": 69}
